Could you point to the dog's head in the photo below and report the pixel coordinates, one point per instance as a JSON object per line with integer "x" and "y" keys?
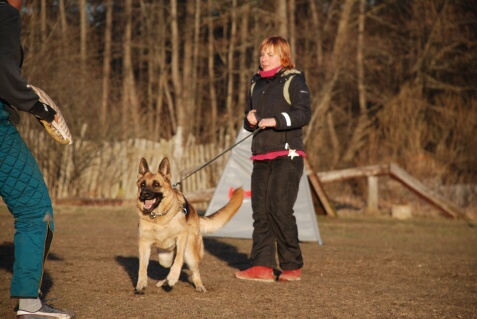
{"x": 153, "y": 187}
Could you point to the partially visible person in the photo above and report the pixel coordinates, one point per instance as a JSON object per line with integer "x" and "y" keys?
{"x": 22, "y": 186}
{"x": 279, "y": 106}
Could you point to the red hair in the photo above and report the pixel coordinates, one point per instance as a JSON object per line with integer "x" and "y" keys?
{"x": 281, "y": 46}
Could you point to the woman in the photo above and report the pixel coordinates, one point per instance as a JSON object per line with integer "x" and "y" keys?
{"x": 279, "y": 106}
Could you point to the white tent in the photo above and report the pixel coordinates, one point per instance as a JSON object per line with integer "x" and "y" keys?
{"x": 237, "y": 172}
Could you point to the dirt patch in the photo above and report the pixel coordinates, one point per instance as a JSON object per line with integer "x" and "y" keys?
{"x": 368, "y": 267}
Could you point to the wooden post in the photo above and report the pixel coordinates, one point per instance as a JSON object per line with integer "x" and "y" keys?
{"x": 315, "y": 182}
{"x": 372, "y": 193}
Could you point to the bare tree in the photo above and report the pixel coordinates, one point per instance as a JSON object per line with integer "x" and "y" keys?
{"x": 359, "y": 133}
{"x": 43, "y": 14}
{"x": 185, "y": 40}
{"x": 291, "y": 26}
{"x": 84, "y": 34}
{"x": 323, "y": 104}
{"x": 316, "y": 26}
{"x": 130, "y": 105}
{"x": 165, "y": 95}
{"x": 62, "y": 12}
{"x": 106, "y": 61}
{"x": 406, "y": 67}
{"x": 194, "y": 96}
{"x": 230, "y": 67}
{"x": 175, "y": 67}
{"x": 243, "y": 68}
{"x": 282, "y": 17}
{"x": 213, "y": 114}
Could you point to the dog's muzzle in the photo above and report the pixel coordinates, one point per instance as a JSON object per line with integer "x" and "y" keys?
{"x": 150, "y": 199}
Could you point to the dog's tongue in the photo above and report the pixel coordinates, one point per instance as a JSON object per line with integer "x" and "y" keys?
{"x": 148, "y": 203}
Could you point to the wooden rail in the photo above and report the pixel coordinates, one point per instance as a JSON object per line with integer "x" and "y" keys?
{"x": 351, "y": 173}
{"x": 370, "y": 172}
{"x": 397, "y": 173}
{"x": 424, "y": 192}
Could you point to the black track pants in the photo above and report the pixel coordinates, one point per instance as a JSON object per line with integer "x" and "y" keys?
{"x": 274, "y": 192}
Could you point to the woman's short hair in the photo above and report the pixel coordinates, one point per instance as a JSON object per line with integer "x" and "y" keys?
{"x": 281, "y": 46}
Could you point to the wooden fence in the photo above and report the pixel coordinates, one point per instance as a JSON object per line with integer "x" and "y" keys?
{"x": 108, "y": 170}
{"x": 94, "y": 171}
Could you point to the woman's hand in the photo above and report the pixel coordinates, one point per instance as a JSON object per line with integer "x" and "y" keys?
{"x": 268, "y": 122}
{"x": 253, "y": 120}
{"x": 252, "y": 117}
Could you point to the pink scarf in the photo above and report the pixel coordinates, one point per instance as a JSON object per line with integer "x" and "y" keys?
{"x": 269, "y": 73}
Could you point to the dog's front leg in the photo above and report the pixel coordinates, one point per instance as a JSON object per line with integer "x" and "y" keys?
{"x": 144, "y": 254}
{"x": 176, "y": 268}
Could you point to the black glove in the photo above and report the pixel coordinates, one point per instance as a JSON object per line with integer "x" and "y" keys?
{"x": 43, "y": 112}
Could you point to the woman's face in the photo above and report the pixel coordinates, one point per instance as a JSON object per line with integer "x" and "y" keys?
{"x": 269, "y": 59}
{"x": 16, "y": 3}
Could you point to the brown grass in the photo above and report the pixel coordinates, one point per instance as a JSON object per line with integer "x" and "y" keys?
{"x": 368, "y": 267}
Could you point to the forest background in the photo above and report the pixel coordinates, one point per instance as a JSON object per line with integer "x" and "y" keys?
{"x": 391, "y": 81}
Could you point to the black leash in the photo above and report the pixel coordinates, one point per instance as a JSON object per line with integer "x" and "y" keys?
{"x": 221, "y": 154}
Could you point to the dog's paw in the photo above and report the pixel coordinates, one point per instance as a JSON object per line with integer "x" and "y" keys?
{"x": 171, "y": 281}
{"x": 141, "y": 284}
{"x": 200, "y": 289}
{"x": 138, "y": 292}
{"x": 167, "y": 282}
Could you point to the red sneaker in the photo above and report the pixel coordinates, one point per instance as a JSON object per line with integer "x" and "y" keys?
{"x": 290, "y": 275}
{"x": 258, "y": 273}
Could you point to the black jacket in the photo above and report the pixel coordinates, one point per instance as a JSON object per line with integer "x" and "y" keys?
{"x": 13, "y": 88}
{"x": 268, "y": 98}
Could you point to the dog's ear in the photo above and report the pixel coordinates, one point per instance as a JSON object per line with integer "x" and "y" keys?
{"x": 165, "y": 168}
{"x": 143, "y": 167}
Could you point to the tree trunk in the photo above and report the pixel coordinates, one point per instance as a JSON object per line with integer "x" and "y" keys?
{"x": 334, "y": 141}
{"x": 164, "y": 96}
{"x": 62, "y": 13}
{"x": 243, "y": 69}
{"x": 419, "y": 67}
{"x": 211, "y": 74}
{"x": 43, "y": 35}
{"x": 292, "y": 27}
{"x": 185, "y": 109}
{"x": 83, "y": 35}
{"x": 176, "y": 75}
{"x": 230, "y": 68}
{"x": 358, "y": 137}
{"x": 130, "y": 107}
{"x": 193, "y": 96}
{"x": 317, "y": 27}
{"x": 63, "y": 27}
{"x": 106, "y": 61}
{"x": 282, "y": 18}
{"x": 324, "y": 99}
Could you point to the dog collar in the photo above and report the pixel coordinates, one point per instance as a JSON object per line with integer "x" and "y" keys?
{"x": 153, "y": 215}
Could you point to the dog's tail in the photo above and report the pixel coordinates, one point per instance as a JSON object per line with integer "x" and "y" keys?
{"x": 215, "y": 221}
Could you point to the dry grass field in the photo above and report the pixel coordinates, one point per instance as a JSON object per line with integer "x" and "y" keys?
{"x": 367, "y": 267}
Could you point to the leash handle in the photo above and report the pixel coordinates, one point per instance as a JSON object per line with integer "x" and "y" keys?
{"x": 216, "y": 157}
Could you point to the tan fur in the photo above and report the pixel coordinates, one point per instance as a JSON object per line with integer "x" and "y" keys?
{"x": 176, "y": 235}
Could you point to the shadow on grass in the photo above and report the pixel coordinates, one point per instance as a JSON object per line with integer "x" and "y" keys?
{"x": 154, "y": 271}
{"x": 227, "y": 253}
{"x": 6, "y": 262}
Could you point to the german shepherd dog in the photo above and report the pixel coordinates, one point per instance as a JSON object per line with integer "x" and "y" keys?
{"x": 169, "y": 222}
